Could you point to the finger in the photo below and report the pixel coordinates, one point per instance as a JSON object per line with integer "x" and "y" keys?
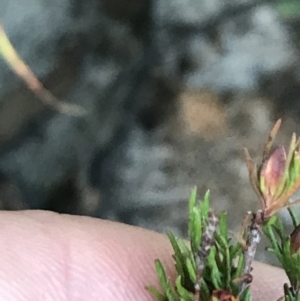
{"x": 267, "y": 282}
{"x": 46, "y": 256}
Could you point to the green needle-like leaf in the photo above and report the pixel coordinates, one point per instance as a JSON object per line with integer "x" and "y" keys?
{"x": 282, "y": 185}
{"x": 223, "y": 225}
{"x": 195, "y": 229}
{"x": 293, "y": 216}
{"x": 205, "y": 292}
{"x": 270, "y": 234}
{"x": 161, "y": 275}
{"x": 240, "y": 267}
{"x": 156, "y": 294}
{"x": 183, "y": 293}
{"x": 235, "y": 250}
{"x": 204, "y": 205}
{"x": 192, "y": 201}
{"x": 179, "y": 258}
{"x": 192, "y": 269}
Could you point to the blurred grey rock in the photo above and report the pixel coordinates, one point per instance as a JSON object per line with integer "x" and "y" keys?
{"x": 248, "y": 52}
{"x": 42, "y": 31}
{"x": 130, "y": 60}
{"x": 225, "y": 46}
{"x": 36, "y": 29}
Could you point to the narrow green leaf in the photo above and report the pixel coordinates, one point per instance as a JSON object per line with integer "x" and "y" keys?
{"x": 211, "y": 259}
{"x": 225, "y": 259}
{"x": 170, "y": 296}
{"x": 205, "y": 293}
{"x": 156, "y": 294}
{"x": 287, "y": 292}
{"x": 212, "y": 267}
{"x": 286, "y": 250}
{"x": 240, "y": 267}
{"x": 246, "y": 295}
{"x": 278, "y": 226}
{"x": 223, "y": 225}
{"x": 216, "y": 278}
{"x": 271, "y": 221}
{"x": 217, "y": 243}
{"x": 236, "y": 275}
{"x": 271, "y": 250}
{"x": 166, "y": 286}
{"x": 222, "y": 241}
{"x": 220, "y": 257}
{"x": 284, "y": 177}
{"x": 228, "y": 268}
{"x": 192, "y": 217}
{"x": 192, "y": 201}
{"x": 171, "y": 293}
{"x": 235, "y": 250}
{"x": 192, "y": 205}
{"x": 196, "y": 229}
{"x": 293, "y": 173}
{"x": 179, "y": 258}
{"x": 204, "y": 205}
{"x": 180, "y": 268}
{"x": 268, "y": 231}
{"x": 192, "y": 269}
{"x": 186, "y": 252}
{"x": 294, "y": 218}
{"x": 161, "y": 275}
{"x": 297, "y": 296}
{"x": 183, "y": 293}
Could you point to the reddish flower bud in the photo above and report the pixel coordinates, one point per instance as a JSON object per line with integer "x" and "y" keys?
{"x": 272, "y": 171}
{"x": 277, "y": 178}
{"x": 222, "y": 295}
{"x": 295, "y": 240}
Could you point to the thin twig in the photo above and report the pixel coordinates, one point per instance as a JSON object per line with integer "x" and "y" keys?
{"x": 270, "y": 140}
{"x": 23, "y": 71}
{"x": 253, "y": 240}
{"x": 206, "y": 243}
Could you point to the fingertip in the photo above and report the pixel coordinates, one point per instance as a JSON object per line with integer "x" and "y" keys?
{"x": 268, "y": 282}
{"x": 70, "y": 256}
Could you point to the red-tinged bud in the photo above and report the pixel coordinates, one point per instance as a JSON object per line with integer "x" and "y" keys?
{"x": 277, "y": 178}
{"x": 222, "y": 295}
{"x": 272, "y": 171}
{"x": 295, "y": 240}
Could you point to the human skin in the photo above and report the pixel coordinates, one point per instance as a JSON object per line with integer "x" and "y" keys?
{"x": 47, "y": 256}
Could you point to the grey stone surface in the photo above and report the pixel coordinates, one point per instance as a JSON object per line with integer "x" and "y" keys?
{"x": 228, "y": 46}
{"x": 129, "y": 61}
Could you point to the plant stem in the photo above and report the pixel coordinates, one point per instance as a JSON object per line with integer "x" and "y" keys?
{"x": 203, "y": 251}
{"x": 254, "y": 239}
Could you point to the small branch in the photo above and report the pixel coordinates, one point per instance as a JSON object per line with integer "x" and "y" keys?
{"x": 254, "y": 239}
{"x": 23, "y": 71}
{"x": 203, "y": 251}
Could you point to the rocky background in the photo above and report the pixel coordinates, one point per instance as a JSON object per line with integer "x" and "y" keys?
{"x": 174, "y": 90}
